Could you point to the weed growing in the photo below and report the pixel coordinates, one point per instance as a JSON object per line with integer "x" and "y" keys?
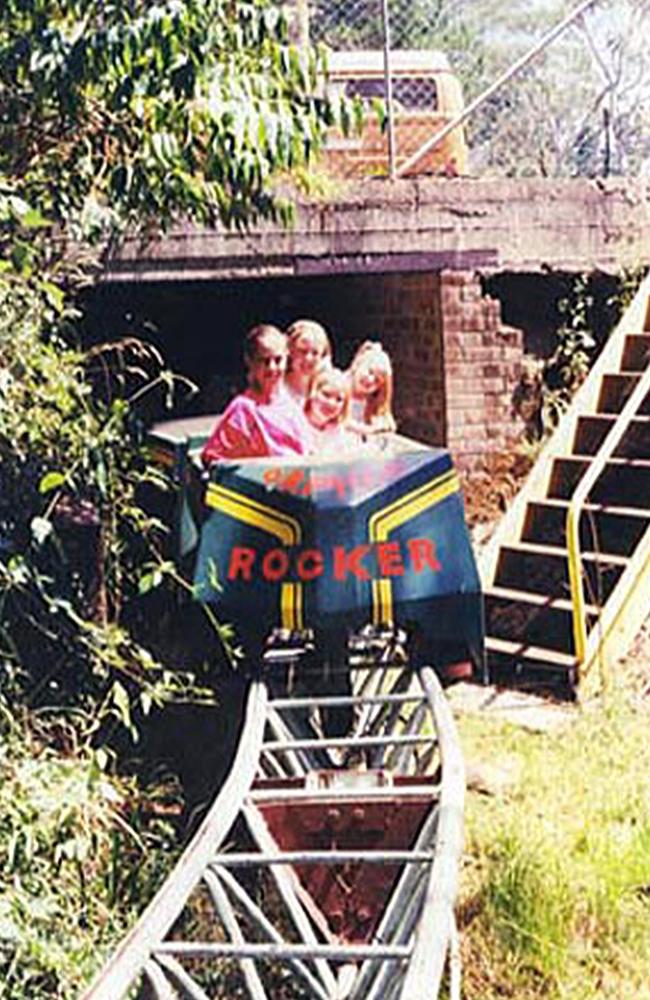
{"x": 80, "y": 855}
{"x": 555, "y": 899}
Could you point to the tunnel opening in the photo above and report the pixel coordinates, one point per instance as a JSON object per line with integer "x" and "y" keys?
{"x": 199, "y": 327}
{"x": 457, "y": 338}
{"x": 541, "y": 303}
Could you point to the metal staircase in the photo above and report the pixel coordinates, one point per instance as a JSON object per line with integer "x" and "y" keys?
{"x": 567, "y": 574}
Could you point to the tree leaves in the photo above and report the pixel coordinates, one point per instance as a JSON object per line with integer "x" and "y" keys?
{"x": 148, "y": 106}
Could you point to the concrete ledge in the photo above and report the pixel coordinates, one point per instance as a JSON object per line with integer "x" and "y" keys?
{"x": 423, "y": 224}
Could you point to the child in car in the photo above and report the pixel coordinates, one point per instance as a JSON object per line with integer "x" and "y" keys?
{"x": 309, "y": 348}
{"x": 326, "y": 409}
{"x": 371, "y": 377}
{"x": 260, "y": 421}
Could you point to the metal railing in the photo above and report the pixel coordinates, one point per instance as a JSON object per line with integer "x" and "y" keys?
{"x": 423, "y": 130}
{"x": 424, "y": 975}
{"x": 512, "y": 71}
{"x": 415, "y": 938}
{"x": 576, "y": 508}
{"x": 133, "y": 953}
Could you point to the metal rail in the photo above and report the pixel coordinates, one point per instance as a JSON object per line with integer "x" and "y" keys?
{"x": 298, "y": 927}
{"x": 508, "y": 74}
{"x": 576, "y": 508}
{"x": 427, "y": 965}
{"x": 120, "y": 971}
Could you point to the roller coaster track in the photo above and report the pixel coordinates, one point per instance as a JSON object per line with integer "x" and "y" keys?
{"x": 327, "y": 865}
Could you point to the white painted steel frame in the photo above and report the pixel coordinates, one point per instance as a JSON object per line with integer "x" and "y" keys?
{"x": 416, "y": 934}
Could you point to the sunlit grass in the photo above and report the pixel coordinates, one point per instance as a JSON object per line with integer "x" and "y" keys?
{"x": 555, "y": 894}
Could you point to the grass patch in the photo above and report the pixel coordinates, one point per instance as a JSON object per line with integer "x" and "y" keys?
{"x": 555, "y": 890}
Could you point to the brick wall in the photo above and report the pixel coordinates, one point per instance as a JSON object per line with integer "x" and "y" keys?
{"x": 456, "y": 364}
{"x": 409, "y": 326}
{"x": 482, "y": 365}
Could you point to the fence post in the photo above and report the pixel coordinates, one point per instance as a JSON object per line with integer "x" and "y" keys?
{"x": 388, "y": 79}
{"x": 300, "y": 25}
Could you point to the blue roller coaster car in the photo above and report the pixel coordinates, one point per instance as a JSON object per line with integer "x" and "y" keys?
{"x": 332, "y": 546}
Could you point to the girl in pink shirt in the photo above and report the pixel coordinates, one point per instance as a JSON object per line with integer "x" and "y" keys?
{"x": 261, "y": 421}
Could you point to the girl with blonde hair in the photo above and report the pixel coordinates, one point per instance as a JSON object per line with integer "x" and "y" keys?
{"x": 326, "y": 408}
{"x": 309, "y": 348}
{"x": 371, "y": 377}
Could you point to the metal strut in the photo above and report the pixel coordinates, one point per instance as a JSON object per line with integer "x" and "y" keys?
{"x": 343, "y": 879}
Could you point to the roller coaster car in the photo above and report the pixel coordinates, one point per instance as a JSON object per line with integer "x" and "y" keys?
{"x": 374, "y": 542}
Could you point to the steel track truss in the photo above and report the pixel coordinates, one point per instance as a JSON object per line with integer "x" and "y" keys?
{"x": 327, "y": 865}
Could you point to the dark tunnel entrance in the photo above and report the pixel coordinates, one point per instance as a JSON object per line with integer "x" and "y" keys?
{"x": 199, "y": 326}
{"x": 456, "y": 378}
{"x": 540, "y": 303}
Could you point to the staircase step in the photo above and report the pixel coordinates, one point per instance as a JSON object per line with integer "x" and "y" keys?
{"x": 610, "y": 529}
{"x": 636, "y": 352}
{"x": 624, "y": 482}
{"x": 536, "y": 619}
{"x": 530, "y": 656}
{"x": 543, "y": 569}
{"x": 538, "y": 600}
{"x": 528, "y": 600}
{"x": 593, "y": 428}
{"x": 616, "y": 389}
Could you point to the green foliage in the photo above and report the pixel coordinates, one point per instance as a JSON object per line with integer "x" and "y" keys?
{"x": 78, "y": 855}
{"x": 527, "y": 905}
{"x": 111, "y": 115}
{"x": 74, "y": 533}
{"x": 78, "y": 676}
{"x": 143, "y": 112}
{"x": 578, "y": 339}
{"x": 580, "y": 108}
{"x": 588, "y": 315}
{"x": 568, "y": 366}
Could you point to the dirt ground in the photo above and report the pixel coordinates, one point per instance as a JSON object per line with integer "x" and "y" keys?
{"x": 488, "y": 492}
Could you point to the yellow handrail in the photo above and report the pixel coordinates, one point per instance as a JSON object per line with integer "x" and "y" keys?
{"x": 576, "y": 504}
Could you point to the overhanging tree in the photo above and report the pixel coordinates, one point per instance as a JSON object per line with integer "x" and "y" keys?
{"x": 115, "y": 114}
{"x": 112, "y": 114}
{"x": 137, "y": 112}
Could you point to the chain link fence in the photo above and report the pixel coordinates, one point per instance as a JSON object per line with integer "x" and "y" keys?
{"x": 383, "y": 53}
{"x": 548, "y": 92}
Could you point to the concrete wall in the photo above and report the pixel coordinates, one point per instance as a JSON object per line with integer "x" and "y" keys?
{"x": 403, "y": 259}
{"x": 424, "y": 224}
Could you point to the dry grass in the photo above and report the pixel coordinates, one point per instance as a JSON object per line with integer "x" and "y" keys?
{"x": 555, "y": 890}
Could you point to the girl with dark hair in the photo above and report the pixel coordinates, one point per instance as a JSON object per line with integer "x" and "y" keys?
{"x": 261, "y": 421}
